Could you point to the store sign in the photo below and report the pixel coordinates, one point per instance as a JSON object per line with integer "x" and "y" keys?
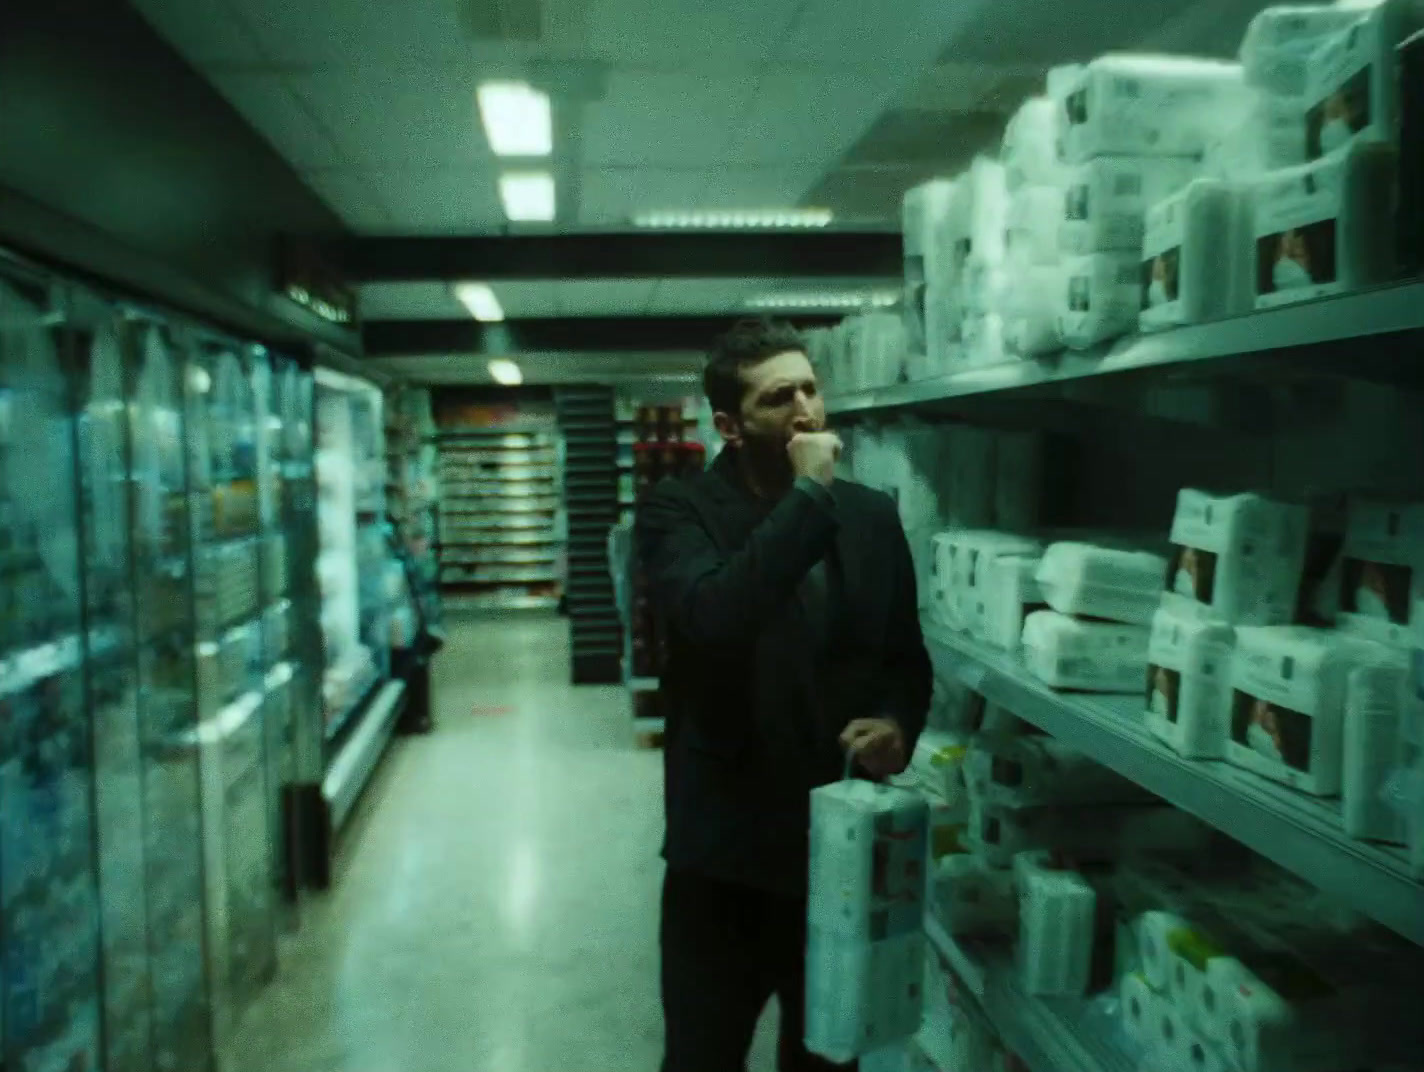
{"x": 315, "y": 286}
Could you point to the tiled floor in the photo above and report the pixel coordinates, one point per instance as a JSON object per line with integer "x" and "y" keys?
{"x": 497, "y": 904}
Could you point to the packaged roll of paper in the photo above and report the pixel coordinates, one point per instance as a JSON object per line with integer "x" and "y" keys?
{"x": 1288, "y": 704}
{"x": 1139, "y": 1005}
{"x": 1375, "y": 697}
{"x": 1102, "y": 299}
{"x": 1101, "y": 582}
{"x": 861, "y": 996}
{"x": 923, "y": 212}
{"x": 1223, "y": 976}
{"x": 973, "y": 550}
{"x": 988, "y": 206}
{"x": 1030, "y": 147}
{"x": 943, "y": 604}
{"x": 1010, "y": 593}
{"x": 1352, "y": 79}
{"x": 1191, "y": 951}
{"x": 1200, "y": 1054}
{"x": 1172, "y": 1030}
{"x": 1198, "y": 259}
{"x": 1106, "y": 199}
{"x": 1056, "y": 921}
{"x": 1034, "y": 216}
{"x": 1382, "y": 575}
{"x": 1287, "y": 1017}
{"x": 1069, "y": 653}
{"x": 1189, "y": 683}
{"x": 1276, "y": 48}
{"x": 1143, "y": 105}
{"x": 938, "y": 763}
{"x": 1033, "y": 301}
{"x": 984, "y": 285}
{"x": 1268, "y": 135}
{"x": 1154, "y": 950}
{"x": 1238, "y": 558}
{"x": 971, "y": 897}
{"x": 983, "y": 340}
{"x": 1325, "y": 227}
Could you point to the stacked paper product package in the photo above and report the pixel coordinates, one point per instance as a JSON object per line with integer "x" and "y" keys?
{"x": 1250, "y": 971}
{"x": 925, "y": 213}
{"x": 1036, "y": 181}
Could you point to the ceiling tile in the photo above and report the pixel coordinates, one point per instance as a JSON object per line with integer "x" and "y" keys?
{"x": 411, "y": 118}
{"x": 271, "y": 109}
{"x": 663, "y": 120}
{"x": 967, "y": 87}
{"x": 751, "y": 187}
{"x": 205, "y": 32}
{"x": 932, "y": 139}
{"x": 1018, "y": 32}
{"x": 352, "y": 197}
{"x": 801, "y": 116}
{"x": 438, "y": 200}
{"x": 873, "y": 194}
{"x": 696, "y": 297}
{"x": 690, "y": 34}
{"x": 409, "y": 301}
{"x": 851, "y": 34}
{"x": 611, "y": 196}
{"x": 603, "y": 297}
{"x": 356, "y": 33}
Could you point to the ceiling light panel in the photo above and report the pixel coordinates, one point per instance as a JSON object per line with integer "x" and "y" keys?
{"x": 741, "y": 219}
{"x": 517, "y": 118}
{"x": 528, "y": 196}
{"x": 480, "y": 300}
{"x": 506, "y": 372}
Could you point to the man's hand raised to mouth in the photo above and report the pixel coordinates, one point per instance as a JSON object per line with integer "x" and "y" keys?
{"x": 814, "y": 455}
{"x": 877, "y": 744}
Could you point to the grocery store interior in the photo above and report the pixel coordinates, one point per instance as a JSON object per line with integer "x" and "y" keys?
{"x": 341, "y": 343}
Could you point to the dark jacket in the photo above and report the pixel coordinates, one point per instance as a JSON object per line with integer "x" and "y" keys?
{"x": 755, "y": 693}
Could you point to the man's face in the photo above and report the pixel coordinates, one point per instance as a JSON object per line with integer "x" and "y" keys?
{"x": 780, "y": 399}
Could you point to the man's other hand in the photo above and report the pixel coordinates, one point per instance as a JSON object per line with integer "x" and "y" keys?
{"x": 814, "y": 454}
{"x": 877, "y": 744}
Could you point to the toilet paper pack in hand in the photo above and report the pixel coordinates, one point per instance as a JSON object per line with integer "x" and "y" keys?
{"x": 1093, "y": 656}
{"x": 1197, "y": 256}
{"x": 1146, "y": 105}
{"x": 1189, "y": 683}
{"x": 1382, "y": 574}
{"x": 1101, "y": 299}
{"x": 861, "y": 996}
{"x": 1101, "y": 582}
{"x": 1237, "y": 558}
{"x": 1107, "y": 198}
{"x": 1277, "y": 46}
{"x": 1288, "y": 703}
{"x": 1325, "y": 227}
{"x": 1352, "y": 78}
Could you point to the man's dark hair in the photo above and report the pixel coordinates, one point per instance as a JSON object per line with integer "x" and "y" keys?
{"x": 748, "y": 343}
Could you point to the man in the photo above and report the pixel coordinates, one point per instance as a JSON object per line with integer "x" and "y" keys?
{"x": 788, "y": 598}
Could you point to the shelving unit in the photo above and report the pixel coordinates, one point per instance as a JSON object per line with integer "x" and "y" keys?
{"x": 586, "y": 419}
{"x": 498, "y": 541}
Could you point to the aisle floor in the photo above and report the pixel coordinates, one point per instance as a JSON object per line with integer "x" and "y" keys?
{"x": 496, "y": 904}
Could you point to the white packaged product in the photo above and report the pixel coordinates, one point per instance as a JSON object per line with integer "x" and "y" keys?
{"x": 1325, "y": 227}
{"x": 1375, "y": 699}
{"x": 1069, "y": 653}
{"x": 1288, "y": 704}
{"x": 1189, "y": 683}
{"x": 1102, "y": 582}
{"x": 1101, "y": 299}
{"x": 1054, "y": 954}
{"x": 938, "y": 763}
{"x": 972, "y": 897}
{"x": 987, "y": 205}
{"x": 923, "y": 213}
{"x": 1106, "y": 199}
{"x": 983, "y": 340}
{"x": 1030, "y": 148}
{"x": 960, "y": 557}
{"x": 1276, "y": 48}
{"x": 1352, "y": 79}
{"x": 1033, "y": 304}
{"x": 1238, "y": 558}
{"x": 1268, "y": 135}
{"x": 865, "y": 908}
{"x": 1034, "y": 217}
{"x": 1030, "y": 771}
{"x": 1198, "y": 258}
{"x": 1138, "y": 1004}
{"x": 1382, "y": 578}
{"x": 1144, "y": 105}
{"x": 1009, "y": 593}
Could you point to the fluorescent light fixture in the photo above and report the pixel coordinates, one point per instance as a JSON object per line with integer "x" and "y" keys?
{"x": 517, "y": 119}
{"x": 479, "y": 299}
{"x": 505, "y": 371}
{"x": 528, "y": 196}
{"x": 856, "y": 299}
{"x": 742, "y": 219}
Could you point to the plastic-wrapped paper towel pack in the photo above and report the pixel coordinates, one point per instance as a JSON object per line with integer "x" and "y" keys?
{"x": 1382, "y": 576}
{"x": 1197, "y": 256}
{"x": 1325, "y": 227}
{"x": 1238, "y": 558}
{"x": 1029, "y": 150}
{"x": 922, "y": 214}
{"x": 865, "y": 911}
{"x": 1009, "y": 593}
{"x": 1106, "y": 199}
{"x": 1189, "y": 683}
{"x": 1288, "y": 703}
{"x": 1101, "y": 298}
{"x": 1268, "y": 135}
{"x": 1102, "y": 582}
{"x": 1056, "y": 922}
{"x": 1144, "y": 105}
{"x": 1276, "y": 48}
{"x": 1094, "y": 656}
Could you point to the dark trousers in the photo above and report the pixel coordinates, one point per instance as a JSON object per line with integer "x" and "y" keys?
{"x": 726, "y": 949}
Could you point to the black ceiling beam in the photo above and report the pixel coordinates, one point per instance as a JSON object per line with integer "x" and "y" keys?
{"x": 641, "y": 255}
{"x": 593, "y": 334}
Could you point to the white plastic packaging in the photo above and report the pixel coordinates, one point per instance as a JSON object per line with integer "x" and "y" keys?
{"x": 1325, "y": 227}
{"x": 1033, "y": 301}
{"x": 1106, "y": 199}
{"x": 1382, "y": 576}
{"x": 972, "y": 897}
{"x": 923, "y": 213}
{"x": 1268, "y": 135}
{"x": 1035, "y": 216}
{"x": 1375, "y": 698}
{"x": 1008, "y": 594}
{"x": 1198, "y": 258}
{"x": 960, "y": 558}
{"x": 1101, "y": 299}
{"x": 1145, "y": 105}
{"x": 1056, "y": 914}
{"x": 1069, "y": 653}
{"x": 1189, "y": 683}
{"x": 938, "y": 763}
{"x": 1138, "y": 1003}
{"x": 1102, "y": 582}
{"x": 1276, "y": 48}
{"x": 1030, "y": 148}
{"x": 1238, "y": 558}
{"x": 1352, "y": 79}
{"x": 1037, "y": 770}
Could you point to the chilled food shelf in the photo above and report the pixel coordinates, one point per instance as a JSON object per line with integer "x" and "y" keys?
{"x": 1381, "y": 311}
{"x": 1301, "y": 833}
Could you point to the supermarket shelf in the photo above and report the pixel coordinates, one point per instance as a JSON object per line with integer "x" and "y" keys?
{"x": 352, "y": 767}
{"x": 1301, "y": 833}
{"x": 517, "y": 538}
{"x": 648, "y": 725}
{"x": 1048, "y": 1034}
{"x": 493, "y": 433}
{"x": 445, "y": 511}
{"x": 497, "y": 602}
{"x": 338, "y": 725}
{"x": 450, "y": 575}
{"x": 1373, "y": 312}
{"x": 513, "y": 558}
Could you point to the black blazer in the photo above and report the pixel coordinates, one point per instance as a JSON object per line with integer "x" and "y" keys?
{"x": 754, "y": 705}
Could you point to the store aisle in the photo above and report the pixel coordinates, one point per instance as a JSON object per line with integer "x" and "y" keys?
{"x": 498, "y": 897}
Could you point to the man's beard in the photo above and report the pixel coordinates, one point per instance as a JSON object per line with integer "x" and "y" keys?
{"x": 767, "y": 460}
